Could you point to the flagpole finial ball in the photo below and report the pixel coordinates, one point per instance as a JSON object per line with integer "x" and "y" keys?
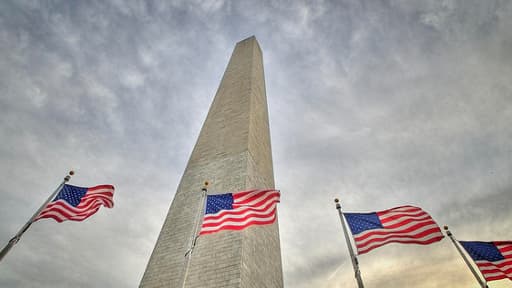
{"x": 205, "y": 186}
{"x": 71, "y": 172}
{"x": 336, "y": 200}
{"x": 445, "y": 227}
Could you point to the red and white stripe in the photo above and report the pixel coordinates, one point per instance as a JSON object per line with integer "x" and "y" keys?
{"x": 253, "y": 207}
{"x": 60, "y": 210}
{"x": 499, "y": 269}
{"x": 405, "y": 224}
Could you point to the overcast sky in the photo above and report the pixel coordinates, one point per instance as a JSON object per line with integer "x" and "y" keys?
{"x": 379, "y": 103}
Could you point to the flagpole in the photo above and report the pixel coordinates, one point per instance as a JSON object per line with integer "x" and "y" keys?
{"x": 482, "y": 283}
{"x": 355, "y": 263}
{"x": 25, "y": 227}
{"x": 188, "y": 254}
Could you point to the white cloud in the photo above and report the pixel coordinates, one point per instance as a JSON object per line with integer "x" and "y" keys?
{"x": 132, "y": 79}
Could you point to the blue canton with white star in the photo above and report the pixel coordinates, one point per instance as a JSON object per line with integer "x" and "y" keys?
{"x": 482, "y": 251}
{"x": 359, "y": 222}
{"x": 71, "y": 194}
{"x": 215, "y": 203}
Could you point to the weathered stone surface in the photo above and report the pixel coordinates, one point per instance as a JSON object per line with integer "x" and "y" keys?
{"x": 233, "y": 153}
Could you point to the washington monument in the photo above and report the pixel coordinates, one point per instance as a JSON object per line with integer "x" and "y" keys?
{"x": 232, "y": 153}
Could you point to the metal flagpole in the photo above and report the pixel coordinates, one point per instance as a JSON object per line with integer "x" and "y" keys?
{"x": 482, "y": 283}
{"x": 199, "y": 215}
{"x": 18, "y": 235}
{"x": 355, "y": 263}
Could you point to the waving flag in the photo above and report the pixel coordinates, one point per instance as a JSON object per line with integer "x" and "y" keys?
{"x": 78, "y": 203}
{"x": 494, "y": 259}
{"x": 405, "y": 224}
{"x": 237, "y": 211}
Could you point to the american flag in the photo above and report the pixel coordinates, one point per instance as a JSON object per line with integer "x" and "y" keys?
{"x": 494, "y": 259}
{"x": 237, "y": 211}
{"x": 405, "y": 224}
{"x": 78, "y": 203}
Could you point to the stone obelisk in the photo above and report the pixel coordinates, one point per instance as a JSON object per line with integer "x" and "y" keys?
{"x": 232, "y": 153}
